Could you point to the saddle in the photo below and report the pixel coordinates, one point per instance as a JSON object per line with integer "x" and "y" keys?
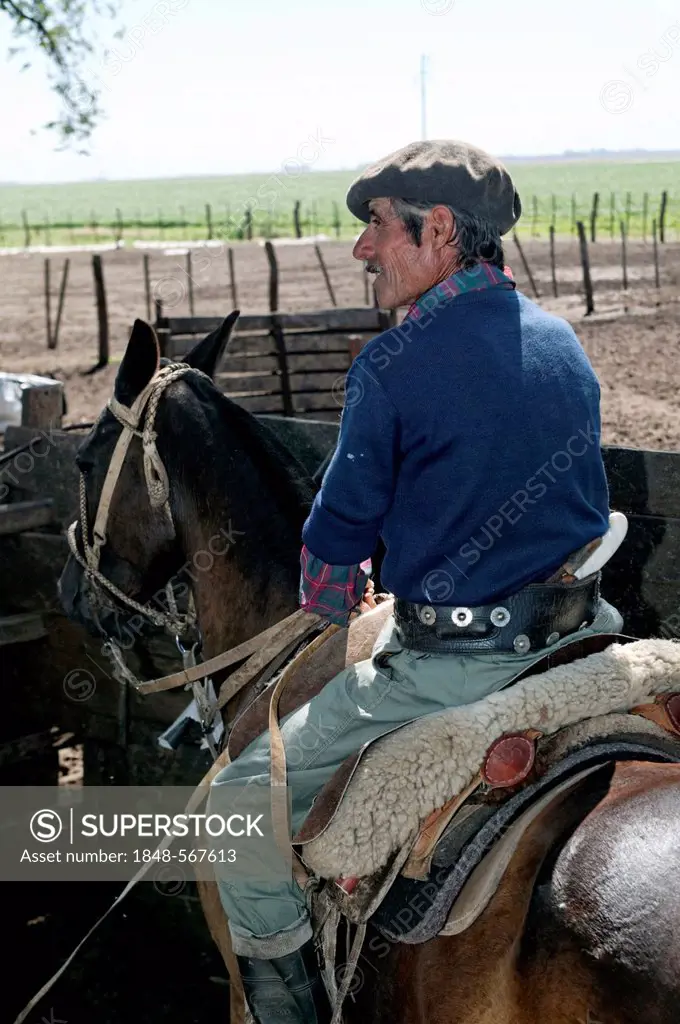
{"x": 436, "y": 872}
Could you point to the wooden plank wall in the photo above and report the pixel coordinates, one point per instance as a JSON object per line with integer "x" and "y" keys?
{"x": 643, "y": 577}
{"x": 290, "y": 363}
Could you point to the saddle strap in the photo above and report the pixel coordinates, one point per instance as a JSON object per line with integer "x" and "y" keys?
{"x": 278, "y": 772}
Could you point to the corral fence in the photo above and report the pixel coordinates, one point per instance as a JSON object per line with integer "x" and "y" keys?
{"x": 601, "y": 211}
{"x": 55, "y": 284}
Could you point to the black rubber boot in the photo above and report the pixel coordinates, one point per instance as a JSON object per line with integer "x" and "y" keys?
{"x": 286, "y": 990}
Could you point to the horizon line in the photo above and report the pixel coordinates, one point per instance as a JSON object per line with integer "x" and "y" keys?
{"x": 567, "y": 156}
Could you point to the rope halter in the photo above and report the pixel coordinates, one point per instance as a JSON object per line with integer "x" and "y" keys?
{"x": 157, "y": 485}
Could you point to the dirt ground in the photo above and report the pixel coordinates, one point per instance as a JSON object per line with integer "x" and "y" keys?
{"x": 139, "y": 966}
{"x": 632, "y": 339}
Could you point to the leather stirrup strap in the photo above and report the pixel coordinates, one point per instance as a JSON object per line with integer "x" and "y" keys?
{"x": 278, "y": 773}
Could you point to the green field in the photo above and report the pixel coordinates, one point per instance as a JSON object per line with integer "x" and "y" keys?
{"x": 553, "y": 192}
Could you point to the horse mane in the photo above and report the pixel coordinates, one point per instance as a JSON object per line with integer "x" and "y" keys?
{"x": 291, "y": 485}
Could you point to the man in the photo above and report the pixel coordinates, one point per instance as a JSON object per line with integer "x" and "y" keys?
{"x": 470, "y": 444}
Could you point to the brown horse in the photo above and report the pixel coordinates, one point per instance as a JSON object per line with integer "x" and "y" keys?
{"x": 586, "y": 924}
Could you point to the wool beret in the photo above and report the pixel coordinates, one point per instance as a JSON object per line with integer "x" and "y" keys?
{"x": 440, "y": 171}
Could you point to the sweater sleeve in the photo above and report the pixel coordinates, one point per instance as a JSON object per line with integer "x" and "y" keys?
{"x": 358, "y": 487}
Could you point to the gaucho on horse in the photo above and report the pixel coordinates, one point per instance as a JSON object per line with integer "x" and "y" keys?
{"x": 483, "y": 808}
{"x": 452, "y": 450}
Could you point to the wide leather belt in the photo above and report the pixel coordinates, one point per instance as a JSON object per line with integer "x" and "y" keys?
{"x": 534, "y": 618}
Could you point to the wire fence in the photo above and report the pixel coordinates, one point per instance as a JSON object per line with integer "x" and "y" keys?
{"x": 605, "y": 213}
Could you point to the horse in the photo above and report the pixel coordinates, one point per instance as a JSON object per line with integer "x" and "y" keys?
{"x": 585, "y": 925}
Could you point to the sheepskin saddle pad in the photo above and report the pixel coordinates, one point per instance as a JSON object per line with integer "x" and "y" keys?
{"x": 475, "y": 850}
{"x": 398, "y": 781}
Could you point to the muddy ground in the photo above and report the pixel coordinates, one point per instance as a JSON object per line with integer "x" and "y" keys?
{"x": 146, "y": 964}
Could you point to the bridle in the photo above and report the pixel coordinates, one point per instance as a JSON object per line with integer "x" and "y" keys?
{"x": 158, "y": 489}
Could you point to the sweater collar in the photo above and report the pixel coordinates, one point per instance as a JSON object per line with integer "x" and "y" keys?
{"x": 478, "y": 278}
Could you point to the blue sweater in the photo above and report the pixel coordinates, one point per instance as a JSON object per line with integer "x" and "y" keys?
{"x": 470, "y": 442}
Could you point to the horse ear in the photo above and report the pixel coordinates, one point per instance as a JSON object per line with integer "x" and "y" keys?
{"x": 207, "y": 354}
{"x": 139, "y": 364}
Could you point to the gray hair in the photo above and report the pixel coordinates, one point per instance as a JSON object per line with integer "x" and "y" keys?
{"x": 476, "y": 239}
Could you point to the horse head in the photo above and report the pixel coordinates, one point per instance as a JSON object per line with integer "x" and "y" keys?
{"x": 179, "y": 483}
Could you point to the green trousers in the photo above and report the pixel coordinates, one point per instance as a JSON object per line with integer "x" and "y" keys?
{"x": 359, "y": 705}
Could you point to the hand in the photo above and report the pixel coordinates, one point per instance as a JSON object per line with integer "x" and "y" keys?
{"x": 367, "y": 602}
{"x": 368, "y": 598}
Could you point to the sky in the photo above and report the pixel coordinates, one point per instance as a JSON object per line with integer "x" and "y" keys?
{"x": 212, "y": 87}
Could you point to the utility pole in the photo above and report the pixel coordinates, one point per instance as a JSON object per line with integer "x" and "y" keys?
{"x": 423, "y": 97}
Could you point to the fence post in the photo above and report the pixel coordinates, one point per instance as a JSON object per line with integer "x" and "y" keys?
{"x": 336, "y": 219}
{"x": 553, "y": 201}
{"x": 645, "y": 214}
{"x": 48, "y": 319}
{"x": 27, "y": 230}
{"x": 249, "y": 224}
{"x": 48, "y": 236}
{"x": 324, "y": 271}
{"x": 119, "y": 225}
{"x": 552, "y": 259}
{"x": 656, "y": 255}
{"x": 662, "y": 217}
{"x": 190, "y": 285}
{"x": 296, "y": 219}
{"x": 534, "y": 216}
{"x": 277, "y": 330}
{"x": 593, "y": 216}
{"x": 628, "y": 213}
{"x": 60, "y": 306}
{"x": 573, "y": 213}
{"x": 232, "y": 278}
{"x": 147, "y": 286}
{"x": 612, "y": 213}
{"x": 624, "y": 263}
{"x": 526, "y": 265}
{"x": 585, "y": 264}
{"x": 102, "y": 314}
{"x": 208, "y": 219}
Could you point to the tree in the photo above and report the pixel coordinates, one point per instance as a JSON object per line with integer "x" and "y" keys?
{"x": 64, "y": 32}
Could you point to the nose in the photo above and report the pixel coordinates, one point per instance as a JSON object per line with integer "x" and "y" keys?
{"x": 363, "y": 249}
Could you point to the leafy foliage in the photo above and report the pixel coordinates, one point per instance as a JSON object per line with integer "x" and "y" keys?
{"x": 64, "y": 32}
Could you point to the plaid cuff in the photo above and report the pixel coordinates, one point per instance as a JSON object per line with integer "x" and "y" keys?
{"x": 331, "y": 590}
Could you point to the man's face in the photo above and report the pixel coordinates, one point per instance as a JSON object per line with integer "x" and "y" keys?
{"x": 404, "y": 270}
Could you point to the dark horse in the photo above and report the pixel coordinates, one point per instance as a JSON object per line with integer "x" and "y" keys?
{"x": 585, "y": 927}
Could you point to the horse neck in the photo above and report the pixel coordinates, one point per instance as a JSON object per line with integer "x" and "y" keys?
{"x": 240, "y": 541}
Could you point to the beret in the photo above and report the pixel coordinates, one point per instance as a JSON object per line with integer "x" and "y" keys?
{"x": 440, "y": 171}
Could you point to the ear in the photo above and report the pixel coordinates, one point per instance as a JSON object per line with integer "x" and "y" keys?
{"x": 139, "y": 364}
{"x": 207, "y": 354}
